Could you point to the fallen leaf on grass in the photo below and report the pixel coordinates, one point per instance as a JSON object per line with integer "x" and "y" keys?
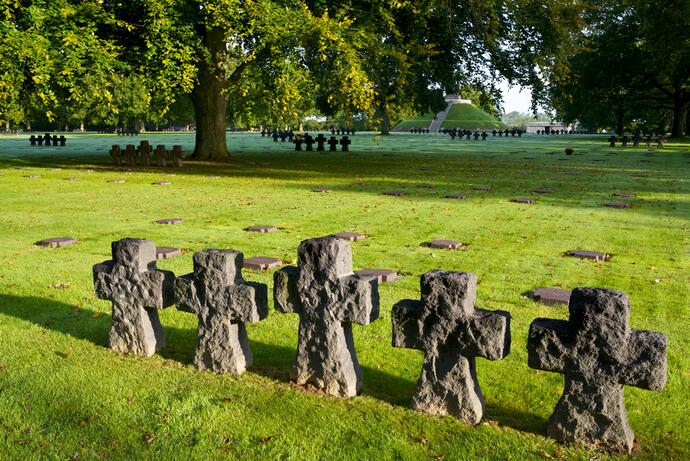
{"x": 268, "y": 439}
{"x": 148, "y": 437}
{"x": 545, "y": 454}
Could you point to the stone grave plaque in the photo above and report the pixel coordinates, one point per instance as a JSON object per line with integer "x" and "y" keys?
{"x": 624, "y": 194}
{"x": 382, "y": 275}
{"x": 167, "y": 252}
{"x": 598, "y": 353}
{"x": 56, "y": 242}
{"x": 425, "y": 186}
{"x": 351, "y": 236}
{"x": 117, "y": 181}
{"x": 395, "y": 193}
{"x": 551, "y": 296}
{"x": 445, "y": 244}
{"x": 361, "y": 183}
{"x": 482, "y": 188}
{"x": 542, "y": 191}
{"x": 617, "y": 205}
{"x": 32, "y": 176}
{"x": 261, "y": 229}
{"x": 74, "y": 178}
{"x": 528, "y": 201}
{"x": 162, "y": 183}
{"x": 587, "y": 254}
{"x": 169, "y": 221}
{"x": 324, "y": 191}
{"x": 262, "y": 263}
{"x": 480, "y": 170}
{"x": 456, "y": 196}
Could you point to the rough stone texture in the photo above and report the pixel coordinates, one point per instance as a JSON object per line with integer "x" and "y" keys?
{"x": 617, "y": 205}
{"x": 445, "y": 244}
{"x": 167, "y": 252}
{"x": 351, "y": 236}
{"x": 586, "y": 254}
{"x": 451, "y": 332}
{"x": 137, "y": 290}
{"x": 261, "y": 229}
{"x": 56, "y": 242}
{"x": 169, "y": 221}
{"x": 223, "y": 301}
{"x": 328, "y": 298}
{"x": 598, "y": 354}
{"x": 456, "y": 196}
{"x": 395, "y": 193}
{"x": 262, "y": 263}
{"x": 481, "y": 188}
{"x": 382, "y": 275}
{"x": 551, "y": 296}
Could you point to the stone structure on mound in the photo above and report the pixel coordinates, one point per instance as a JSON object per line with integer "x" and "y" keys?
{"x": 598, "y": 354}
{"x": 137, "y": 290}
{"x": 328, "y": 298}
{"x": 223, "y": 301}
{"x": 451, "y": 331}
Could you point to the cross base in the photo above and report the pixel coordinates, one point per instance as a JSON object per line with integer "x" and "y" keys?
{"x": 222, "y": 347}
{"x": 135, "y": 330}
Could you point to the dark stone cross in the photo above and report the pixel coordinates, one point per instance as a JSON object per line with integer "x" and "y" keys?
{"x": 328, "y": 298}
{"x": 451, "y": 332}
{"x": 333, "y": 144}
{"x": 131, "y": 153}
{"x": 161, "y": 155}
{"x": 116, "y": 154}
{"x": 345, "y": 142}
{"x": 309, "y": 142}
{"x": 137, "y": 290}
{"x": 612, "y": 141}
{"x": 320, "y": 140}
{"x": 144, "y": 150}
{"x": 598, "y": 354}
{"x": 298, "y": 143}
{"x": 32, "y": 140}
{"x": 218, "y": 295}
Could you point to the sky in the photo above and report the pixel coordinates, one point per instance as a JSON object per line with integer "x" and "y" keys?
{"x": 515, "y": 98}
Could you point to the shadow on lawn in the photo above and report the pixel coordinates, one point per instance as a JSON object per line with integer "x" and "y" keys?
{"x": 270, "y": 360}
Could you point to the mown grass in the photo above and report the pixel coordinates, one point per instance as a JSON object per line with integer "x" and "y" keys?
{"x": 470, "y": 117}
{"x": 64, "y": 394}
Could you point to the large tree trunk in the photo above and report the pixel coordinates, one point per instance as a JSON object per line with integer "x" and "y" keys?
{"x": 210, "y": 100}
{"x": 680, "y": 111}
{"x": 385, "y": 124}
{"x": 620, "y": 123}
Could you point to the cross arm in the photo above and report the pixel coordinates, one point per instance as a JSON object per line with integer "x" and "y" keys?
{"x": 102, "y": 280}
{"x": 186, "y": 298}
{"x": 359, "y": 297}
{"x": 491, "y": 334}
{"x": 647, "y": 365}
{"x": 285, "y": 296}
{"x": 249, "y": 301}
{"x": 546, "y": 345}
{"x": 407, "y": 328}
{"x": 158, "y": 288}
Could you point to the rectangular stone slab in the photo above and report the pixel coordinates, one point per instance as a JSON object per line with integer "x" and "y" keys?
{"x": 261, "y": 229}
{"x": 383, "y": 275}
{"x": 523, "y": 200}
{"x": 167, "y": 252}
{"x": 586, "y": 254}
{"x": 262, "y": 263}
{"x": 551, "y": 296}
{"x": 56, "y": 242}
{"x": 351, "y": 236}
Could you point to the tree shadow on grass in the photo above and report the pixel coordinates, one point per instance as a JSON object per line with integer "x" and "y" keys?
{"x": 270, "y": 360}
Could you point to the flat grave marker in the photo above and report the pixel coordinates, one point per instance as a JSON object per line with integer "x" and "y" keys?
{"x": 117, "y": 181}
{"x": 351, "y": 236}
{"x": 445, "y": 244}
{"x": 528, "y": 201}
{"x": 167, "y": 252}
{"x": 162, "y": 183}
{"x": 624, "y": 194}
{"x": 542, "y": 191}
{"x": 587, "y": 254}
{"x": 382, "y": 275}
{"x": 262, "y": 263}
{"x": 456, "y": 196}
{"x": 323, "y": 191}
{"x": 551, "y": 296}
{"x": 261, "y": 229}
{"x": 482, "y": 188}
{"x": 56, "y": 242}
{"x": 395, "y": 193}
{"x": 169, "y": 221}
{"x": 618, "y": 205}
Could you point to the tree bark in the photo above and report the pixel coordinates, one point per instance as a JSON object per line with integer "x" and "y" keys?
{"x": 680, "y": 111}
{"x": 385, "y": 124}
{"x": 620, "y": 123}
{"x": 210, "y": 99}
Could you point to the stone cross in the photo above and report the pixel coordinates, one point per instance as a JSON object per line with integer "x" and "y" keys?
{"x": 32, "y": 140}
{"x": 598, "y": 354}
{"x": 320, "y": 140}
{"x": 612, "y": 141}
{"x": 451, "y": 332}
{"x": 345, "y": 142}
{"x": 333, "y": 144}
{"x": 328, "y": 298}
{"x": 218, "y": 295}
{"x": 177, "y": 156}
{"x": 624, "y": 141}
{"x": 298, "y": 143}
{"x": 144, "y": 151}
{"x": 131, "y": 153}
{"x": 137, "y": 290}
{"x": 161, "y": 155}
{"x": 309, "y": 142}
{"x": 116, "y": 154}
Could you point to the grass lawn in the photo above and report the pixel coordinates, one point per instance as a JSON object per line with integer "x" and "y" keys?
{"x": 64, "y": 394}
{"x": 469, "y": 117}
{"x": 420, "y": 121}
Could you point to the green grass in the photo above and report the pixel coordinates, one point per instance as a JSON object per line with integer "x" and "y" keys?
{"x": 421, "y": 121}
{"x": 470, "y": 117}
{"x": 64, "y": 394}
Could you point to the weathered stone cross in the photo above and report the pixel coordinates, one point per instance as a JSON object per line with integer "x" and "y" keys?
{"x": 223, "y": 301}
{"x": 328, "y": 298}
{"x": 451, "y": 331}
{"x": 137, "y": 290}
{"x": 598, "y": 353}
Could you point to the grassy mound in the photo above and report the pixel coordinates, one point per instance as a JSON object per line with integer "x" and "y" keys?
{"x": 421, "y": 121}
{"x": 470, "y": 117}
{"x": 65, "y": 395}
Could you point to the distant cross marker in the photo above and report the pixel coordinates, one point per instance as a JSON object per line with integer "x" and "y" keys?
{"x": 451, "y": 332}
